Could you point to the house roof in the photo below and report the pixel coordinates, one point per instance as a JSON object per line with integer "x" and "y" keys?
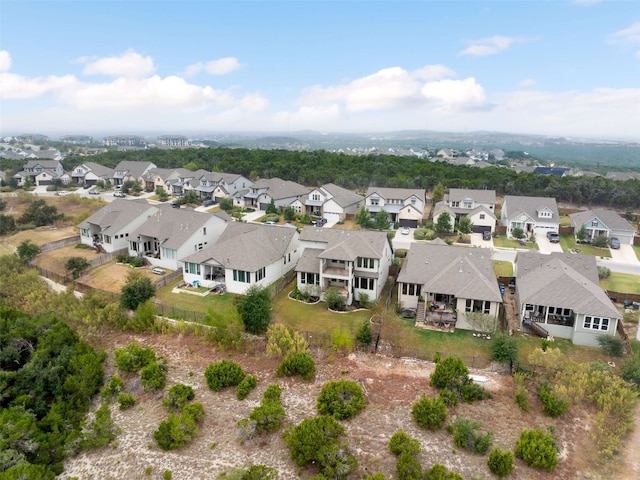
{"x": 172, "y": 227}
{"x": 135, "y": 168}
{"x": 347, "y": 245}
{"x": 397, "y": 193}
{"x": 48, "y": 164}
{"x": 279, "y": 189}
{"x": 563, "y": 280}
{"x": 342, "y": 196}
{"x": 118, "y": 214}
{"x": 247, "y": 246}
{"x": 440, "y": 207}
{"x": 530, "y": 206}
{"x": 308, "y": 261}
{"x": 479, "y": 196}
{"x": 609, "y": 218}
{"x": 99, "y": 170}
{"x": 460, "y": 271}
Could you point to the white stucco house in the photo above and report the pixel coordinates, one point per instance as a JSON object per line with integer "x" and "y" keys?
{"x": 405, "y": 206}
{"x": 282, "y": 192}
{"x": 534, "y": 215}
{"x": 329, "y": 201}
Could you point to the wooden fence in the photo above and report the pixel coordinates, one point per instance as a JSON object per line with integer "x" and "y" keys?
{"x": 64, "y": 242}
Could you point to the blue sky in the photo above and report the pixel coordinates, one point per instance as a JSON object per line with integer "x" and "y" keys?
{"x": 562, "y": 67}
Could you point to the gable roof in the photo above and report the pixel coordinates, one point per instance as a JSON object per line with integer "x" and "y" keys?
{"x": 118, "y": 214}
{"x": 247, "y": 246}
{"x": 611, "y": 219}
{"x": 460, "y": 271}
{"x": 479, "y": 196}
{"x": 563, "y": 280}
{"x": 395, "y": 193}
{"x": 342, "y": 196}
{"x": 530, "y": 206}
{"x": 172, "y": 227}
{"x": 99, "y": 170}
{"x": 347, "y": 245}
{"x": 47, "y": 164}
{"x": 135, "y": 168}
{"x": 279, "y": 189}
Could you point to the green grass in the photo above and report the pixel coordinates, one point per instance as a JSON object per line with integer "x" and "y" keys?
{"x": 636, "y": 248}
{"x": 568, "y": 243}
{"x": 503, "y": 268}
{"x": 195, "y": 303}
{"x": 504, "y": 242}
{"x": 565, "y": 220}
{"x": 621, "y": 282}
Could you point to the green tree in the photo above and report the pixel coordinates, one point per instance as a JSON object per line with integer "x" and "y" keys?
{"x": 7, "y": 224}
{"x": 137, "y": 290}
{"x": 271, "y": 208}
{"x": 504, "y": 348}
{"x": 631, "y": 370}
{"x": 289, "y": 214}
{"x": 226, "y": 204}
{"x": 402, "y": 442}
{"x": 178, "y": 396}
{"x": 382, "y": 221}
{"x": 581, "y": 234}
{"x": 538, "y": 449}
{"x": 364, "y": 335}
{"x": 443, "y": 225}
{"x": 27, "y": 250}
{"x": 255, "y": 308}
{"x": 450, "y": 372}
{"x": 438, "y": 193}
{"x": 517, "y": 233}
{"x": 76, "y": 266}
{"x": 429, "y": 413}
{"x": 39, "y": 213}
{"x": 190, "y": 197}
{"x": 465, "y": 225}
{"x": 223, "y": 374}
{"x": 363, "y": 218}
{"x": 501, "y": 462}
{"x": 342, "y": 399}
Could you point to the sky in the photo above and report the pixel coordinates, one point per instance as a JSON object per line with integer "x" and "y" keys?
{"x": 549, "y": 67}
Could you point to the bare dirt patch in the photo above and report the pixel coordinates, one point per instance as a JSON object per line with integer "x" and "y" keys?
{"x": 39, "y": 236}
{"x": 55, "y": 260}
{"x": 112, "y": 276}
{"x": 392, "y": 385}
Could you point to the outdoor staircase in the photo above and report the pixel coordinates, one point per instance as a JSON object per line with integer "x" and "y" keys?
{"x": 420, "y": 313}
{"x": 538, "y": 330}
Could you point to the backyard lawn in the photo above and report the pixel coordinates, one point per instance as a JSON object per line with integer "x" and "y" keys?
{"x": 196, "y": 303}
{"x": 568, "y": 243}
{"x": 502, "y": 268}
{"x": 621, "y": 282}
{"x": 504, "y": 242}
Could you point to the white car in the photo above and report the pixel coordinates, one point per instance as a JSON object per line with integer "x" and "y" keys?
{"x": 118, "y": 193}
{"x": 405, "y": 231}
{"x": 62, "y": 193}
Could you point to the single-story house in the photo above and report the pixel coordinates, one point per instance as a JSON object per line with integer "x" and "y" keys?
{"x": 603, "y": 222}
{"x": 459, "y": 280}
{"x": 246, "y": 254}
{"x": 534, "y": 215}
{"x": 562, "y": 294}
{"x": 355, "y": 262}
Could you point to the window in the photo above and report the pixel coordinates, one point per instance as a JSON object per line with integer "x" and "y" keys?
{"x": 482, "y": 216}
{"x": 596, "y": 323}
{"x": 204, "y": 230}
{"x": 364, "y": 283}
{"x": 365, "y": 262}
{"x": 315, "y": 196}
{"x": 467, "y": 204}
{"x": 411, "y": 289}
{"x": 106, "y": 238}
{"x": 594, "y": 223}
{"x": 168, "y": 253}
{"x": 192, "y": 268}
{"x": 469, "y": 305}
{"x": 455, "y": 204}
{"x": 260, "y": 274}
{"x": 241, "y": 276}
{"x": 487, "y": 307}
{"x": 375, "y": 201}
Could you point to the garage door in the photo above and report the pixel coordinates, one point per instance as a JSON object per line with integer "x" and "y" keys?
{"x": 263, "y": 206}
{"x": 481, "y": 228}
{"x": 44, "y": 182}
{"x": 332, "y": 217}
{"x": 408, "y": 223}
{"x": 624, "y": 239}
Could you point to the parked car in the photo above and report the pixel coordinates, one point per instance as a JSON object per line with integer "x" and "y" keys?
{"x": 321, "y": 222}
{"x": 158, "y": 271}
{"x": 615, "y": 243}
{"x": 405, "y": 231}
{"x": 553, "y": 237}
{"x": 486, "y": 235}
{"x": 175, "y": 205}
{"x": 269, "y": 222}
{"x": 119, "y": 193}
{"x": 207, "y": 203}
{"x": 94, "y": 192}
{"x": 62, "y": 193}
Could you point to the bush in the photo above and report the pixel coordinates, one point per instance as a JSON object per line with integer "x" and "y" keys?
{"x": 537, "y": 449}
{"x": 137, "y": 290}
{"x": 223, "y": 374}
{"x": 272, "y": 392}
{"x": 470, "y": 392}
{"x": 450, "y": 372}
{"x": 429, "y": 413}
{"x": 136, "y": 262}
{"x": 341, "y": 341}
{"x": 465, "y": 435}
{"x": 500, "y": 462}
{"x": 600, "y": 241}
{"x": 522, "y": 400}
{"x": 408, "y": 467}
{"x": 334, "y": 300}
{"x": 631, "y": 370}
{"x": 364, "y": 335}
{"x": 611, "y": 345}
{"x": 267, "y": 416}
{"x": 439, "y": 472}
{"x": 254, "y": 308}
{"x": 178, "y": 396}
{"x": 503, "y": 348}
{"x": 247, "y": 384}
{"x": 552, "y": 404}
{"x": 195, "y": 411}
{"x": 153, "y": 377}
{"x": 133, "y": 357}
{"x": 126, "y": 401}
{"x": 300, "y": 364}
{"x": 175, "y": 431}
{"x": 113, "y": 388}
{"x": 101, "y": 431}
{"x": 342, "y": 399}
{"x": 603, "y": 272}
{"x": 401, "y": 442}
{"x": 282, "y": 341}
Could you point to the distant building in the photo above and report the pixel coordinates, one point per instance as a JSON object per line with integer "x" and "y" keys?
{"x": 77, "y": 139}
{"x": 173, "y": 141}
{"x": 124, "y": 141}
{"x": 32, "y": 138}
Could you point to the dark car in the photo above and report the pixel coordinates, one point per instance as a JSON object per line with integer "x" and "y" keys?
{"x": 207, "y": 203}
{"x": 320, "y": 222}
{"x": 175, "y": 205}
{"x": 486, "y": 235}
{"x": 615, "y": 243}
{"x": 553, "y": 237}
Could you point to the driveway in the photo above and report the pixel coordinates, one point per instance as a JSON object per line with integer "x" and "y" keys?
{"x": 253, "y": 216}
{"x": 625, "y": 254}
{"x": 546, "y": 247}
{"x": 477, "y": 241}
{"x": 403, "y": 241}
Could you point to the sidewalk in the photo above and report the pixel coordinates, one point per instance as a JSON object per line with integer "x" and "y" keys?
{"x": 253, "y": 216}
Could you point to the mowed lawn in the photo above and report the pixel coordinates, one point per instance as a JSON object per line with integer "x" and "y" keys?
{"x": 504, "y": 242}
{"x": 568, "y": 242}
{"x": 621, "y": 282}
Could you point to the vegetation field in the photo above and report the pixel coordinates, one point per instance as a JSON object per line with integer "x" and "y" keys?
{"x": 504, "y": 242}
{"x": 621, "y": 282}
{"x": 568, "y": 243}
{"x": 503, "y": 268}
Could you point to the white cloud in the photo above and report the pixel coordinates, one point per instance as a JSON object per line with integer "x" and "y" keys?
{"x": 433, "y": 72}
{"x": 626, "y": 35}
{"x": 489, "y": 46}
{"x": 454, "y": 92}
{"x": 5, "y": 61}
{"x": 222, "y": 66}
{"x": 130, "y": 64}
{"x": 528, "y": 82}
{"x": 17, "y": 86}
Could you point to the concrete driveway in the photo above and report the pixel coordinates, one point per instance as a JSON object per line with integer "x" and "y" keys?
{"x": 253, "y": 216}
{"x": 403, "y": 241}
{"x": 477, "y": 241}
{"x": 546, "y": 247}
{"x": 625, "y": 254}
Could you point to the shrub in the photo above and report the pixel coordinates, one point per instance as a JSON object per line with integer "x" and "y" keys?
{"x": 537, "y": 449}
{"x": 254, "y": 472}
{"x": 603, "y": 272}
{"x": 223, "y": 374}
{"x": 282, "y": 341}
{"x": 334, "y": 300}
{"x": 600, "y": 241}
{"x": 195, "y": 411}
{"x": 255, "y": 308}
{"x": 631, "y": 370}
{"x": 375, "y": 476}
{"x": 342, "y": 399}
{"x": 470, "y": 392}
{"x": 113, "y": 388}
{"x": 449, "y": 397}
{"x": 364, "y": 335}
{"x": 552, "y": 404}
{"x": 408, "y": 467}
{"x": 178, "y": 396}
{"x": 341, "y": 341}
{"x": 247, "y": 384}
{"x": 300, "y": 364}
{"x": 429, "y": 413}
{"x": 136, "y": 262}
{"x": 402, "y": 442}
{"x": 610, "y": 345}
{"x": 272, "y": 392}
{"x": 126, "y": 401}
{"x": 503, "y": 348}
{"x": 439, "y": 472}
{"x": 167, "y": 475}
{"x": 153, "y": 376}
{"x": 175, "y": 431}
{"x": 450, "y": 372}
{"x": 267, "y": 416}
{"x": 522, "y": 400}
{"x": 101, "y": 431}
{"x": 465, "y": 435}
{"x": 133, "y": 357}
{"x": 500, "y": 462}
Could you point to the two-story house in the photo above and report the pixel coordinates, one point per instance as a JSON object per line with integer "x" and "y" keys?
{"x": 534, "y": 215}
{"x": 477, "y": 205}
{"x": 110, "y": 228}
{"x": 90, "y": 173}
{"x": 282, "y": 192}
{"x": 171, "y": 234}
{"x": 329, "y": 201}
{"x": 355, "y": 263}
{"x": 131, "y": 170}
{"x": 40, "y": 172}
{"x": 217, "y": 185}
{"x": 246, "y": 254}
{"x": 603, "y": 222}
{"x": 404, "y": 205}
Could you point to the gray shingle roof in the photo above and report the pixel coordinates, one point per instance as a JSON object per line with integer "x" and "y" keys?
{"x": 563, "y": 280}
{"x": 347, "y": 245}
{"x": 309, "y": 261}
{"x": 247, "y": 246}
{"x": 134, "y": 168}
{"x": 530, "y": 206}
{"x": 611, "y": 219}
{"x": 100, "y": 170}
{"x": 342, "y": 196}
{"x": 278, "y": 189}
{"x": 479, "y": 196}
{"x": 397, "y": 193}
{"x": 118, "y": 214}
{"x": 460, "y": 271}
